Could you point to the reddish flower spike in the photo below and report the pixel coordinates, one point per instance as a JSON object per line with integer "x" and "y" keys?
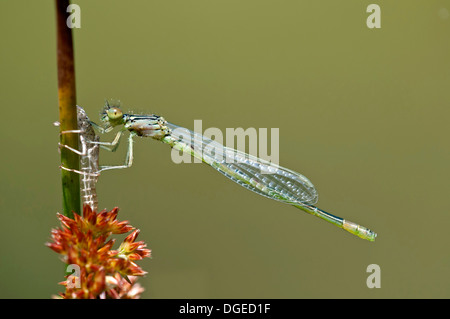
{"x": 83, "y": 241}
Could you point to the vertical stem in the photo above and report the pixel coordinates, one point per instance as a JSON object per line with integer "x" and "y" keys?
{"x": 67, "y": 110}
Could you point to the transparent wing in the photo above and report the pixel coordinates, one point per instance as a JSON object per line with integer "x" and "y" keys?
{"x": 255, "y": 174}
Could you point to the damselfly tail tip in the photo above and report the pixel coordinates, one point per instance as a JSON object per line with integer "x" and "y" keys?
{"x": 359, "y": 230}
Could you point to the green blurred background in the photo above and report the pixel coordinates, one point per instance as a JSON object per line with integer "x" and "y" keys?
{"x": 363, "y": 113}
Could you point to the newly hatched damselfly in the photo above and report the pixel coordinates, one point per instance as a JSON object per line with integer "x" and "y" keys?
{"x": 255, "y": 174}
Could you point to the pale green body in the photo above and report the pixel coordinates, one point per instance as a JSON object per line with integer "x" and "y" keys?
{"x": 255, "y": 174}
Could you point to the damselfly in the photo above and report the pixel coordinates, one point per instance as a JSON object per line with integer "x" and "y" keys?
{"x": 255, "y": 174}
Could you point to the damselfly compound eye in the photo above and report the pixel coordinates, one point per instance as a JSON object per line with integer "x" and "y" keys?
{"x": 114, "y": 113}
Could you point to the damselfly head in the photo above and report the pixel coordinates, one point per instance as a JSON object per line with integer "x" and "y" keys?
{"x": 112, "y": 113}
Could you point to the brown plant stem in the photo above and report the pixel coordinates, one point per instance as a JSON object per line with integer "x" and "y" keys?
{"x": 67, "y": 110}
